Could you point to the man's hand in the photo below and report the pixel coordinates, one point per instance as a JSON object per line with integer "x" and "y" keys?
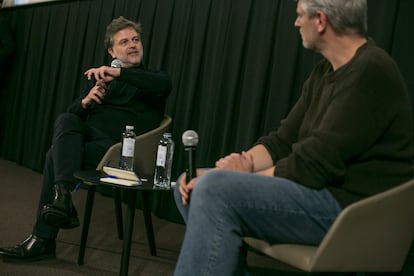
{"x": 236, "y": 162}
{"x": 96, "y": 94}
{"x": 103, "y": 73}
{"x": 185, "y": 188}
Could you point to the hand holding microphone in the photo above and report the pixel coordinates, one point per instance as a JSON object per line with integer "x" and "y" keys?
{"x": 190, "y": 141}
{"x": 105, "y": 73}
{"x": 103, "y": 76}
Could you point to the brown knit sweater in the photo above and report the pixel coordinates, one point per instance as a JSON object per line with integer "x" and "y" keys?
{"x": 351, "y": 130}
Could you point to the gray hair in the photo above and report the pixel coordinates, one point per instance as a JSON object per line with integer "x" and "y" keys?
{"x": 118, "y": 24}
{"x": 345, "y": 16}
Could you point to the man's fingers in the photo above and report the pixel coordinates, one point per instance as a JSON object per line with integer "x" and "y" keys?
{"x": 184, "y": 195}
{"x": 96, "y": 99}
{"x": 184, "y": 201}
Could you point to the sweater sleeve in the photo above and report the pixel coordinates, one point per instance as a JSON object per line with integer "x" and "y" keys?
{"x": 279, "y": 143}
{"x": 151, "y": 83}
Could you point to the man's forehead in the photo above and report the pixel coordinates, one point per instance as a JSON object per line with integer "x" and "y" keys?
{"x": 126, "y": 33}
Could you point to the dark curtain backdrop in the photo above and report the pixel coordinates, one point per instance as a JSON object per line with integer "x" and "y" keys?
{"x": 237, "y": 66}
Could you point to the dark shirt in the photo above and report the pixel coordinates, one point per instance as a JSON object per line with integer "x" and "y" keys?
{"x": 351, "y": 131}
{"x": 137, "y": 97}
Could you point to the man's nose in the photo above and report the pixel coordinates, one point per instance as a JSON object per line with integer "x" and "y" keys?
{"x": 296, "y": 23}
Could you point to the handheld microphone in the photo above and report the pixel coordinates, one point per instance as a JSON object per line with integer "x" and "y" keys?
{"x": 190, "y": 141}
{"x": 116, "y": 63}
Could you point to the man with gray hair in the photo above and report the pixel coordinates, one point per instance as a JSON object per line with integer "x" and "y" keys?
{"x": 349, "y": 136}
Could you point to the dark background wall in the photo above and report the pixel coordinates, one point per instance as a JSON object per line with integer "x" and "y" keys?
{"x": 237, "y": 66}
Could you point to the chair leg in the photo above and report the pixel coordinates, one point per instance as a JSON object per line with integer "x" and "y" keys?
{"x": 118, "y": 213}
{"x": 86, "y": 222}
{"x": 146, "y": 209}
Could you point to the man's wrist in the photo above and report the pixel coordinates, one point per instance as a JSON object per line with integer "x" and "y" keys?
{"x": 85, "y": 104}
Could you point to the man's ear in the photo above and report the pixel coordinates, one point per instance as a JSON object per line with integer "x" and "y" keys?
{"x": 111, "y": 52}
{"x": 322, "y": 21}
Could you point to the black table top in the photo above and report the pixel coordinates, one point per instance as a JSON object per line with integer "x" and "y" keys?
{"x": 93, "y": 177}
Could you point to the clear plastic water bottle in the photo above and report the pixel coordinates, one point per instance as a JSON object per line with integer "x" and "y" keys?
{"x": 163, "y": 165}
{"x": 126, "y": 161}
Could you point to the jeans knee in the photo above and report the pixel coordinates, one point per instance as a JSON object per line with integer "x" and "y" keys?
{"x": 210, "y": 185}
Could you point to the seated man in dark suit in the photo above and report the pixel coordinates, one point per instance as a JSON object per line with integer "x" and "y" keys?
{"x": 128, "y": 95}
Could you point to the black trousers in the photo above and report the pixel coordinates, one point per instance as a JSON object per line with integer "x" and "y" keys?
{"x": 75, "y": 145}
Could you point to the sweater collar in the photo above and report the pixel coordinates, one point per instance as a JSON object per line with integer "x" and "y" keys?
{"x": 333, "y": 75}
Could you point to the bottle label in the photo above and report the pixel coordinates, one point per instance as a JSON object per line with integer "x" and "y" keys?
{"x": 161, "y": 155}
{"x": 128, "y": 147}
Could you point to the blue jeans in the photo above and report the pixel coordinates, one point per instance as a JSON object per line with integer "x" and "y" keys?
{"x": 226, "y": 206}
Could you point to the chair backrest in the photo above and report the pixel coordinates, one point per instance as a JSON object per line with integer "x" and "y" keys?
{"x": 371, "y": 235}
{"x": 145, "y": 150}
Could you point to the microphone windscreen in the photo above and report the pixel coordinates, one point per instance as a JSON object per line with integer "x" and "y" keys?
{"x": 190, "y": 138}
{"x": 116, "y": 63}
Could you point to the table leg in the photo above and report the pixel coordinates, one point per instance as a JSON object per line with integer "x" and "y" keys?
{"x": 129, "y": 226}
{"x": 86, "y": 222}
{"x": 118, "y": 213}
{"x": 146, "y": 209}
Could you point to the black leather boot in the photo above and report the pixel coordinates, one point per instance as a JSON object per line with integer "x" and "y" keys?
{"x": 33, "y": 248}
{"x": 61, "y": 213}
